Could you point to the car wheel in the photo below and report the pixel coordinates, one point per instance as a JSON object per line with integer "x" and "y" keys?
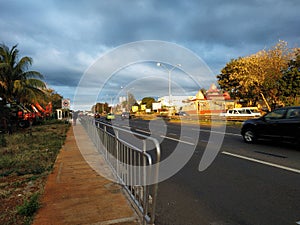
{"x": 249, "y": 136}
{"x": 23, "y": 124}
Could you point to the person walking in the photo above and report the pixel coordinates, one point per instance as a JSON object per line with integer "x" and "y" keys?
{"x": 74, "y": 117}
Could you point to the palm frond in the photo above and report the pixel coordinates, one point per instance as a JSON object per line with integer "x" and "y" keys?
{"x": 35, "y": 83}
{"x": 32, "y": 74}
{"x": 16, "y": 82}
{"x": 24, "y": 63}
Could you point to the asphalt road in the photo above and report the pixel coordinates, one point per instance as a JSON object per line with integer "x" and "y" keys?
{"x": 256, "y": 184}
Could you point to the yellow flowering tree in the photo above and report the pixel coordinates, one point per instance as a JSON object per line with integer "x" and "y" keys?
{"x": 258, "y": 75}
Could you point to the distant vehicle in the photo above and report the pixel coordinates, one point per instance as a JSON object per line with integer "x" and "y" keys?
{"x": 242, "y": 112}
{"x": 125, "y": 115}
{"x": 280, "y": 124}
{"x": 181, "y": 113}
{"x": 96, "y": 115}
{"x": 110, "y": 116}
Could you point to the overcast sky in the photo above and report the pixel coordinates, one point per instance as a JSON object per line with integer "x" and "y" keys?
{"x": 64, "y": 38}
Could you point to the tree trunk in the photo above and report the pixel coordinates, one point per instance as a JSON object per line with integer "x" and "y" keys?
{"x": 268, "y": 106}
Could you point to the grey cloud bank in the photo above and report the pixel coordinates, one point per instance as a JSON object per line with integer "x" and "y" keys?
{"x": 65, "y": 37}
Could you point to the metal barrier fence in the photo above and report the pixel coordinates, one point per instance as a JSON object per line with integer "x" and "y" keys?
{"x": 135, "y": 165}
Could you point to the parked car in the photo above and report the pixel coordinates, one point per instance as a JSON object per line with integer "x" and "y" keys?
{"x": 282, "y": 123}
{"x": 243, "y": 112}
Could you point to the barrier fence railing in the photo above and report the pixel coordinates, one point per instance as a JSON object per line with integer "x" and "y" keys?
{"x": 134, "y": 159}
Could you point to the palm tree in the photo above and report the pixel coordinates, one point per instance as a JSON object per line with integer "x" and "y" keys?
{"x": 17, "y": 83}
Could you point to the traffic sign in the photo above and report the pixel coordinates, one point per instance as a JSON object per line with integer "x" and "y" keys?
{"x": 65, "y": 103}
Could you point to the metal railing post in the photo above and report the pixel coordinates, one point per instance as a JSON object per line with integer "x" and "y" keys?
{"x": 133, "y": 166}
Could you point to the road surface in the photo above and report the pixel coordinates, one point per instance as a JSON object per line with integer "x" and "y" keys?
{"x": 245, "y": 185}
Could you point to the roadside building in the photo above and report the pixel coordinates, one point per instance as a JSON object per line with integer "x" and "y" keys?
{"x": 213, "y": 101}
{"x": 176, "y": 102}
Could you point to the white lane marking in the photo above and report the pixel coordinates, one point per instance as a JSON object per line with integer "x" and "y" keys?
{"x": 262, "y": 162}
{"x": 170, "y": 138}
{"x": 298, "y": 222}
{"x": 233, "y": 134}
{"x": 217, "y": 132}
{"x": 174, "y": 139}
{"x": 208, "y": 131}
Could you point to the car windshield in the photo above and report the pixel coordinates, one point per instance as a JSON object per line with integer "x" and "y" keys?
{"x": 276, "y": 114}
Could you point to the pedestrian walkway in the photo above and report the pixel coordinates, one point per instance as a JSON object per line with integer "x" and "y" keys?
{"x": 76, "y": 194}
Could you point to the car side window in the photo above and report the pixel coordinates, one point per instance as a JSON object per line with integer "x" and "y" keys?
{"x": 276, "y": 114}
{"x": 248, "y": 111}
{"x": 293, "y": 114}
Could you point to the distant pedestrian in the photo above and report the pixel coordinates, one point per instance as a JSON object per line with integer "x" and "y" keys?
{"x": 9, "y": 127}
{"x": 74, "y": 117}
{"x": 7, "y": 124}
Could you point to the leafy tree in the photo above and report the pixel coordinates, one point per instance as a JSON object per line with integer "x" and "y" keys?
{"x": 129, "y": 102}
{"x": 275, "y": 61}
{"x": 256, "y": 75}
{"x": 228, "y": 79}
{"x": 102, "y": 108}
{"x": 17, "y": 83}
{"x": 52, "y": 96}
{"x": 148, "y": 102}
{"x": 290, "y": 81}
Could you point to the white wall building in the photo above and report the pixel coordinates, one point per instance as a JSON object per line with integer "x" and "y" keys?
{"x": 122, "y": 99}
{"x": 177, "y": 101}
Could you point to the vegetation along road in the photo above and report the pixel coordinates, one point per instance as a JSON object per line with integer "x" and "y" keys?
{"x": 26, "y": 158}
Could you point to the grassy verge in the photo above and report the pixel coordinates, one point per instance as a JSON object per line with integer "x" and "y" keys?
{"x": 26, "y": 158}
{"x": 204, "y": 121}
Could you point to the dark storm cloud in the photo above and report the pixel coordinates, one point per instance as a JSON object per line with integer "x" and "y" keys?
{"x": 65, "y": 37}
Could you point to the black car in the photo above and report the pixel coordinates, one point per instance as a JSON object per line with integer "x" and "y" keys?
{"x": 280, "y": 124}
{"x": 181, "y": 113}
{"x": 126, "y": 115}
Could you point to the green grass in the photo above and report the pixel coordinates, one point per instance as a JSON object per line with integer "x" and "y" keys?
{"x": 25, "y": 162}
{"x": 32, "y": 152}
{"x": 29, "y": 207}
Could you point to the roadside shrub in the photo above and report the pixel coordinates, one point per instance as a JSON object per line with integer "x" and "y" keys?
{"x": 29, "y": 207}
{"x": 3, "y": 142}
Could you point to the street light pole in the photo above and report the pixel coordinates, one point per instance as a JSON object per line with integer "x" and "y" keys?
{"x": 169, "y": 77}
{"x": 127, "y": 93}
{"x": 127, "y": 101}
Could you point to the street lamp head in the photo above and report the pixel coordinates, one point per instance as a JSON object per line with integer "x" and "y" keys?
{"x": 159, "y": 64}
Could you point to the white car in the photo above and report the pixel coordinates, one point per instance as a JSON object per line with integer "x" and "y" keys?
{"x": 244, "y": 111}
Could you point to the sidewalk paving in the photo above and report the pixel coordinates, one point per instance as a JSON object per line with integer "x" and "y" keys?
{"x": 76, "y": 193}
